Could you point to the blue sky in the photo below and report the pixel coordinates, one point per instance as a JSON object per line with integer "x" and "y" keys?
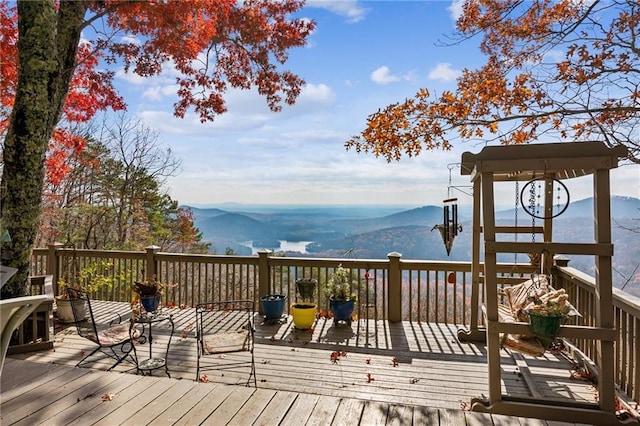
{"x": 361, "y": 57}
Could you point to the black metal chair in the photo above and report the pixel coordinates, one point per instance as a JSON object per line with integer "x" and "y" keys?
{"x": 115, "y": 341}
{"x": 225, "y": 327}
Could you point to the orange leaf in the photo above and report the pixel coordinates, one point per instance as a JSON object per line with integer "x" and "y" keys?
{"x": 108, "y": 396}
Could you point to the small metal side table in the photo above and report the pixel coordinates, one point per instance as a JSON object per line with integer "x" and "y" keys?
{"x": 148, "y": 320}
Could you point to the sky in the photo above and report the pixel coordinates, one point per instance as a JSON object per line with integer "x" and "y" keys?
{"x": 362, "y": 56}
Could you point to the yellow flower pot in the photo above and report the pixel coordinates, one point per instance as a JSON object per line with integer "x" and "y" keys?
{"x": 304, "y": 314}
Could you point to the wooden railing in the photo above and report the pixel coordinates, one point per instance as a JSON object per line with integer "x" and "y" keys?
{"x": 582, "y": 289}
{"x": 390, "y": 289}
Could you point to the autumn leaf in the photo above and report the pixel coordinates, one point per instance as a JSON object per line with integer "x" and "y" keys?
{"x": 108, "y": 396}
{"x": 520, "y": 95}
{"x": 204, "y": 378}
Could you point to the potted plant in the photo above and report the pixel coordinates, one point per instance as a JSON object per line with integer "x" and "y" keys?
{"x": 150, "y": 292}
{"x": 273, "y": 306}
{"x": 304, "y": 313}
{"x": 341, "y": 298}
{"x": 92, "y": 278}
{"x": 548, "y": 311}
{"x": 306, "y": 288}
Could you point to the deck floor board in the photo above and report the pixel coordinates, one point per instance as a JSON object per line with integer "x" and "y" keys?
{"x": 387, "y": 374}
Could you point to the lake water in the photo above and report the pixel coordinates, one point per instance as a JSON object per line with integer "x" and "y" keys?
{"x": 297, "y": 246}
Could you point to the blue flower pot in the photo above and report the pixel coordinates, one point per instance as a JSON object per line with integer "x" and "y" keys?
{"x": 150, "y": 303}
{"x": 342, "y": 310}
{"x": 273, "y": 305}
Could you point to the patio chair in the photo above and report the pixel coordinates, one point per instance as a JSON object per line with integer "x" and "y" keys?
{"x": 112, "y": 340}
{"x": 12, "y": 313}
{"x": 225, "y": 327}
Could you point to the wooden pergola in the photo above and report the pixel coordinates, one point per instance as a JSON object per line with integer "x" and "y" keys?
{"x": 546, "y": 164}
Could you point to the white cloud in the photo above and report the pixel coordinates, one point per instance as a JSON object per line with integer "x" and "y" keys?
{"x": 350, "y": 9}
{"x": 130, "y": 39}
{"x": 157, "y": 93}
{"x": 130, "y": 77}
{"x": 455, "y": 9}
{"x": 443, "y": 71}
{"x": 316, "y": 93}
{"x": 382, "y": 76}
{"x": 554, "y": 56}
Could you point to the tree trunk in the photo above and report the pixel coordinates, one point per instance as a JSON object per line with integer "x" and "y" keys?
{"x": 47, "y": 45}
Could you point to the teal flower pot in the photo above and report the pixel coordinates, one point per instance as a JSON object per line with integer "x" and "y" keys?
{"x": 342, "y": 310}
{"x": 273, "y": 306}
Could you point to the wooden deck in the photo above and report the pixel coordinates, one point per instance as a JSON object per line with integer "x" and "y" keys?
{"x": 405, "y": 373}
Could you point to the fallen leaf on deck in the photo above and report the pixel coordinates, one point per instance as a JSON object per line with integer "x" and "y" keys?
{"x": 204, "y": 378}
{"x": 108, "y": 396}
{"x": 184, "y": 335}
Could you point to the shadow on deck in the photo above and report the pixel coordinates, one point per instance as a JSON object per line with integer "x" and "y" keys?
{"x": 398, "y": 366}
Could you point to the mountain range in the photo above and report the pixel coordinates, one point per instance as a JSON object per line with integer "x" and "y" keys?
{"x": 373, "y": 232}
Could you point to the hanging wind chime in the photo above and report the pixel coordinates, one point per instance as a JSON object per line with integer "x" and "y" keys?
{"x": 449, "y": 227}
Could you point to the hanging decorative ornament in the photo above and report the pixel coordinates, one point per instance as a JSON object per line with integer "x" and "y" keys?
{"x": 449, "y": 228}
{"x": 451, "y": 278}
{"x": 536, "y": 206}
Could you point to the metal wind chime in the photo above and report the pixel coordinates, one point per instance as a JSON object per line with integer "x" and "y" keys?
{"x": 449, "y": 227}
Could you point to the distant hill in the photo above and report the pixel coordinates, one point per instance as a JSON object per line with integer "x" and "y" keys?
{"x": 621, "y": 207}
{"x": 237, "y": 226}
{"x": 333, "y": 232}
{"x": 200, "y": 214}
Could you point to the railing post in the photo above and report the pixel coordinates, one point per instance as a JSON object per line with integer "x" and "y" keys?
{"x": 263, "y": 276}
{"x": 151, "y": 264}
{"x": 53, "y": 264}
{"x": 561, "y": 260}
{"x": 395, "y": 287}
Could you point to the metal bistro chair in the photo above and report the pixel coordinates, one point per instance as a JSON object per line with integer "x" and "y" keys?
{"x": 112, "y": 340}
{"x": 224, "y": 327}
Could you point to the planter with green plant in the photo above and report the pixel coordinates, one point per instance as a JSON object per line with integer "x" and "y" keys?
{"x": 341, "y": 297}
{"x": 547, "y": 312}
{"x": 93, "y": 277}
